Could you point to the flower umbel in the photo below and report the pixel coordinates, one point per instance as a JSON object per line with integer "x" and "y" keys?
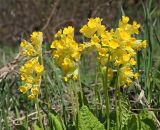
{"x": 67, "y": 52}
{"x": 32, "y": 70}
{"x": 116, "y": 48}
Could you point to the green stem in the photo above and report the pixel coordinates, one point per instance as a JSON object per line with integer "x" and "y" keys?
{"x": 72, "y": 101}
{"x": 105, "y": 89}
{"x": 118, "y": 103}
{"x": 76, "y": 94}
{"x": 79, "y": 79}
{"x": 39, "y": 114}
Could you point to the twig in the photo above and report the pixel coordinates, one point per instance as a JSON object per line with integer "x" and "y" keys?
{"x": 51, "y": 15}
{"x": 9, "y": 67}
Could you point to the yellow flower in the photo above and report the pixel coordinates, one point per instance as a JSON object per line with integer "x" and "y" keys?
{"x": 39, "y": 68}
{"x": 126, "y": 57}
{"x": 58, "y": 34}
{"x": 132, "y": 61}
{"x": 31, "y": 97}
{"x": 34, "y": 91}
{"x": 23, "y": 89}
{"x": 23, "y": 43}
{"x": 144, "y": 44}
{"x": 88, "y": 32}
{"x": 37, "y": 38}
{"x": 127, "y": 71}
{"x": 95, "y": 40}
{"x": 68, "y": 31}
{"x": 93, "y": 26}
{"x": 125, "y": 19}
{"x": 135, "y": 27}
{"x": 113, "y": 44}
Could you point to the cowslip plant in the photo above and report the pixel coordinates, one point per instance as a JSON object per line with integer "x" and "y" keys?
{"x": 116, "y": 50}
{"x": 32, "y": 69}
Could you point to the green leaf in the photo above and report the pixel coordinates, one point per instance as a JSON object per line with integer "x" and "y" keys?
{"x": 148, "y": 120}
{"x": 54, "y": 122}
{"x": 36, "y": 127}
{"x": 87, "y": 121}
{"x": 126, "y": 113}
{"x": 133, "y": 123}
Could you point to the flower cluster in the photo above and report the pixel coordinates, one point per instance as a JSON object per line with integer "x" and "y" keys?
{"x": 116, "y": 48}
{"x": 67, "y": 52}
{"x": 32, "y": 70}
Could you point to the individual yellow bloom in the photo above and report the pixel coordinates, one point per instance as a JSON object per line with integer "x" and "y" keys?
{"x": 102, "y": 51}
{"x": 39, "y": 68}
{"x": 127, "y": 71}
{"x": 23, "y": 77}
{"x": 135, "y": 27}
{"x": 22, "y": 69}
{"x": 124, "y": 35}
{"x": 132, "y": 61}
{"x": 125, "y": 19}
{"x": 144, "y": 44}
{"x": 28, "y": 64}
{"x": 54, "y": 44}
{"x": 93, "y": 26}
{"x": 23, "y": 89}
{"x": 128, "y": 45}
{"x": 95, "y": 40}
{"x": 93, "y": 23}
{"x": 126, "y": 57}
{"x": 88, "y": 32}
{"x": 75, "y": 55}
{"x": 68, "y": 31}
{"x": 113, "y": 44}
{"x": 34, "y": 91}
{"x": 100, "y": 30}
{"x": 31, "y": 97}
{"x": 37, "y": 38}
{"x": 23, "y": 43}
{"x": 58, "y": 34}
